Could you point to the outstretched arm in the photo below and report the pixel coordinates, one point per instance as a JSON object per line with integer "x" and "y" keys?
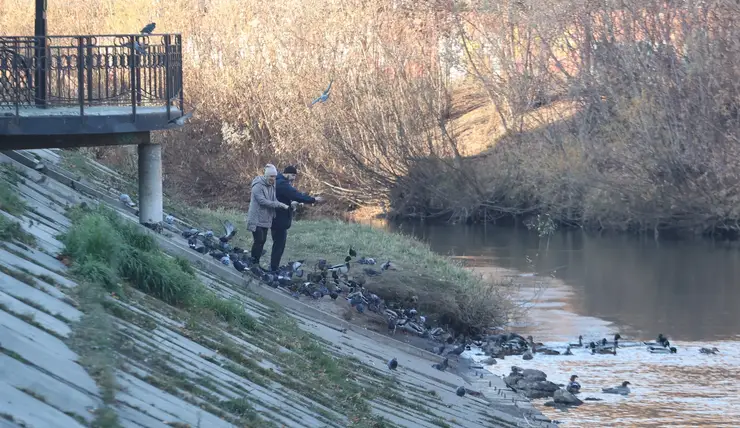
{"x": 295, "y": 195}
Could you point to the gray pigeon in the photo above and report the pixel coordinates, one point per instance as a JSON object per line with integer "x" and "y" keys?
{"x": 441, "y": 366}
{"x": 393, "y": 364}
{"x": 126, "y": 199}
{"x": 392, "y": 325}
{"x": 457, "y": 351}
{"x": 460, "y": 391}
{"x": 148, "y": 28}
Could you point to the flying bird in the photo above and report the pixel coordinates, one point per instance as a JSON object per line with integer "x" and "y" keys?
{"x": 324, "y": 96}
{"x": 139, "y": 48}
{"x": 148, "y": 28}
{"x": 230, "y": 232}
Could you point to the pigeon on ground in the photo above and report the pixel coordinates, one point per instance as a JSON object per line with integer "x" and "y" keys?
{"x": 371, "y": 272}
{"x": 169, "y": 219}
{"x": 392, "y": 325}
{"x": 442, "y": 366}
{"x": 126, "y": 199}
{"x": 148, "y": 28}
{"x": 460, "y": 391}
{"x": 457, "y": 351}
{"x": 439, "y": 350}
{"x": 239, "y": 265}
{"x": 393, "y": 364}
{"x": 323, "y": 97}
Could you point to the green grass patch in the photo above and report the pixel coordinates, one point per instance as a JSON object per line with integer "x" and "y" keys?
{"x": 12, "y": 231}
{"x": 107, "y": 249}
{"x": 10, "y": 202}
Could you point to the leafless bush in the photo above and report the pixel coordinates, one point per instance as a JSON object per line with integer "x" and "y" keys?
{"x": 648, "y": 130}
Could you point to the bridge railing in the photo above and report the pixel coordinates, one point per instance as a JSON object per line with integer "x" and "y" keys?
{"x": 91, "y": 71}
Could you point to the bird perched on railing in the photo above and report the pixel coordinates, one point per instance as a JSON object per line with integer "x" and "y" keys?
{"x": 148, "y": 28}
{"x": 324, "y": 96}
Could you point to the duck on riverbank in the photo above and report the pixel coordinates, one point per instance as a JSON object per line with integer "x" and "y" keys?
{"x": 662, "y": 341}
{"x": 623, "y": 389}
{"x": 605, "y": 342}
{"x": 577, "y": 345}
{"x": 540, "y": 347}
{"x": 662, "y": 350}
{"x": 573, "y": 386}
{"x": 596, "y": 349}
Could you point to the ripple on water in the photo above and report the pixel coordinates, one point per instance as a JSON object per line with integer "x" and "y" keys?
{"x": 683, "y": 389}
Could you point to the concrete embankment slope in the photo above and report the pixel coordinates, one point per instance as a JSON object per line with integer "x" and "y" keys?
{"x": 173, "y": 371}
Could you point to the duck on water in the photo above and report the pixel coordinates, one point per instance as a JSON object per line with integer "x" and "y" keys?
{"x": 601, "y": 349}
{"x": 622, "y": 389}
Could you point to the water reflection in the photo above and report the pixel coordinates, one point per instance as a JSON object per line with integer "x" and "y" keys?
{"x": 689, "y": 290}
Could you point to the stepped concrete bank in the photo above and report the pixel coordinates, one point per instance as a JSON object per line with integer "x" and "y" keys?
{"x": 172, "y": 373}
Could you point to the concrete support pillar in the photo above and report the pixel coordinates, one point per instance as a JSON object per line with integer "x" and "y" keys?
{"x": 150, "y": 183}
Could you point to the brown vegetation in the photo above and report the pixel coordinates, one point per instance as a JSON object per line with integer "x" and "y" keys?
{"x": 653, "y": 142}
{"x": 618, "y": 115}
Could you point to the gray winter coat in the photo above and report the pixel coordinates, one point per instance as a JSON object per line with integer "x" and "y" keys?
{"x": 262, "y": 204}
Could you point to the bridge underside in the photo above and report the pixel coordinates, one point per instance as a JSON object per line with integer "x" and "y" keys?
{"x": 66, "y": 141}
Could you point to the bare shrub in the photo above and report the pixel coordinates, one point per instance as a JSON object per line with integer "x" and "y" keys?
{"x": 647, "y": 135}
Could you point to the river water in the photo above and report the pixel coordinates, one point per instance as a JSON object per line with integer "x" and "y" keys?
{"x": 595, "y": 286}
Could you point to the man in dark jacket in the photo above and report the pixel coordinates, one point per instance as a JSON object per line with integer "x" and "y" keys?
{"x": 288, "y": 195}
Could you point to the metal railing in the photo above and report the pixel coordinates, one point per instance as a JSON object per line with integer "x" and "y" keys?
{"x": 91, "y": 71}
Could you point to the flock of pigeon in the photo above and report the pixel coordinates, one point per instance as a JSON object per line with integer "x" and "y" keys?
{"x": 316, "y": 285}
{"x": 323, "y": 280}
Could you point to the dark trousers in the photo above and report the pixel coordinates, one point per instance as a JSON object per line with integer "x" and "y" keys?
{"x": 279, "y": 236}
{"x": 260, "y": 237}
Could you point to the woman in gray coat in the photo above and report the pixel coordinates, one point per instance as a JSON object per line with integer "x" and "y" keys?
{"x": 262, "y": 205}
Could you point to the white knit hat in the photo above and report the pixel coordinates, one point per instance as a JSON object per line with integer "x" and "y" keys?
{"x": 270, "y": 170}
